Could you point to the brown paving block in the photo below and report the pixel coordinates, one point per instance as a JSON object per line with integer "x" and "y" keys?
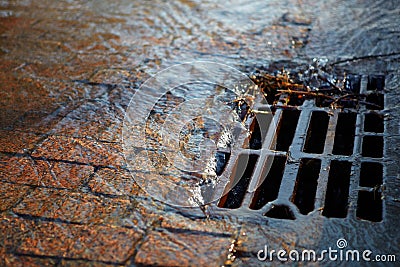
{"x": 81, "y": 263}
{"x": 3, "y": 256}
{"x": 22, "y": 261}
{"x": 181, "y": 248}
{"x": 92, "y": 119}
{"x": 120, "y": 97}
{"x": 19, "y": 170}
{"x": 104, "y": 243}
{"x": 111, "y": 76}
{"x": 8, "y": 117}
{"x": 39, "y": 121}
{"x": 174, "y": 220}
{"x": 26, "y": 94}
{"x": 80, "y": 150}
{"x": 23, "y": 170}
{"x": 80, "y": 208}
{"x": 12, "y": 231}
{"x": 114, "y": 182}
{"x": 102, "y": 131}
{"x": 48, "y": 239}
{"x": 80, "y": 65}
{"x": 108, "y": 244}
{"x": 62, "y": 175}
{"x": 18, "y": 142}
{"x": 10, "y": 194}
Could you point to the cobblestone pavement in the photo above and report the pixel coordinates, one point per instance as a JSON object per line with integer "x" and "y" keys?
{"x": 68, "y": 71}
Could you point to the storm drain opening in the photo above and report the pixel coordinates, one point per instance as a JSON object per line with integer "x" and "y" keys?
{"x": 376, "y": 83}
{"x": 308, "y": 159}
{"x": 344, "y": 135}
{"x": 371, "y": 174}
{"x": 286, "y": 129}
{"x": 306, "y": 185}
{"x": 257, "y": 136}
{"x": 375, "y": 101}
{"x": 280, "y": 212}
{"x": 372, "y": 146}
{"x": 369, "y": 206}
{"x": 241, "y": 180}
{"x": 269, "y": 189}
{"x": 373, "y": 123}
{"x": 353, "y": 83}
{"x": 337, "y": 194}
{"x": 316, "y": 133}
{"x": 222, "y": 159}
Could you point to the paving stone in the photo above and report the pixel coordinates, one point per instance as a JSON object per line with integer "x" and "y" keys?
{"x": 18, "y": 142}
{"x": 181, "y": 248}
{"x": 23, "y": 170}
{"x": 13, "y": 230}
{"x": 108, "y": 131}
{"x": 108, "y": 244}
{"x": 88, "y": 63}
{"x": 20, "y": 170}
{"x": 112, "y": 76}
{"x": 12, "y": 260}
{"x": 10, "y": 194}
{"x": 81, "y": 263}
{"x": 9, "y": 117}
{"x": 104, "y": 243}
{"x": 77, "y": 207}
{"x": 92, "y": 119}
{"x": 80, "y": 150}
{"x": 114, "y": 182}
{"x": 39, "y": 122}
{"x": 62, "y": 175}
{"x": 89, "y": 209}
{"x": 14, "y": 93}
{"x": 176, "y": 220}
{"x": 48, "y": 239}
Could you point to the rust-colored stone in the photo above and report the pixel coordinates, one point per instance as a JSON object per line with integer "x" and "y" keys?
{"x": 10, "y": 194}
{"x": 18, "y": 142}
{"x": 114, "y": 182}
{"x": 24, "y": 170}
{"x": 78, "y": 207}
{"x": 164, "y": 248}
{"x": 81, "y": 150}
{"x": 109, "y": 244}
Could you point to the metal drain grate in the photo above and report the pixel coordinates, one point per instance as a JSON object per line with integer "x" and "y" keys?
{"x": 320, "y": 158}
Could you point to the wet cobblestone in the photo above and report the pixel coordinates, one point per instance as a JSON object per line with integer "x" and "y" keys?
{"x": 75, "y": 207}
{"x": 192, "y": 249}
{"x": 24, "y": 170}
{"x": 11, "y": 195}
{"x": 108, "y": 244}
{"x": 18, "y": 142}
{"x": 80, "y": 150}
{"x": 114, "y": 182}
